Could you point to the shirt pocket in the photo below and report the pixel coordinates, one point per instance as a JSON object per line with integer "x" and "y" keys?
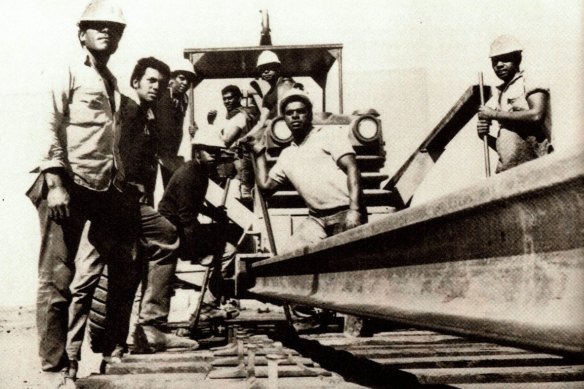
{"x": 88, "y": 106}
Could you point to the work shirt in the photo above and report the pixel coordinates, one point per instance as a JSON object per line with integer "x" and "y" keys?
{"x": 241, "y": 118}
{"x": 520, "y": 142}
{"x": 82, "y": 128}
{"x": 170, "y": 114}
{"x": 312, "y": 168}
{"x": 138, "y": 144}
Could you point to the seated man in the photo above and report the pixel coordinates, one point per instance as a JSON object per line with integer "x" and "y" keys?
{"x": 321, "y": 166}
{"x": 183, "y": 201}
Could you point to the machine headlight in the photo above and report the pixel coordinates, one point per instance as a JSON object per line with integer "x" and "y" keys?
{"x": 366, "y": 130}
{"x": 280, "y": 132}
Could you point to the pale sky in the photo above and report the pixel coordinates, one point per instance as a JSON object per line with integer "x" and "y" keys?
{"x": 409, "y": 59}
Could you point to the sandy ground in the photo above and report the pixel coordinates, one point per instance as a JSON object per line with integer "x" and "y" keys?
{"x": 19, "y": 363}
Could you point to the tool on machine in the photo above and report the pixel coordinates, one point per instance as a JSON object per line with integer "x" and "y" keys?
{"x": 485, "y": 137}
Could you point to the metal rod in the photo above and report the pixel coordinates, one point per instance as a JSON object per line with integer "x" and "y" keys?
{"x": 340, "y": 61}
{"x": 485, "y": 137}
{"x": 264, "y": 208}
{"x": 194, "y": 321}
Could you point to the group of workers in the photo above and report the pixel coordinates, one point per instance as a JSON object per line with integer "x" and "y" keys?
{"x": 94, "y": 193}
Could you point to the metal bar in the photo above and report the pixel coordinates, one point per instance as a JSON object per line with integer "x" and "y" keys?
{"x": 503, "y": 260}
{"x": 264, "y": 208}
{"x": 411, "y": 174}
{"x": 340, "y": 62}
{"x": 485, "y": 137}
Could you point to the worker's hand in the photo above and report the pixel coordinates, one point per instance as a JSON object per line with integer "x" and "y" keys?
{"x": 211, "y": 116}
{"x": 483, "y": 128}
{"x": 352, "y": 219}
{"x": 192, "y": 129}
{"x": 58, "y": 203}
{"x": 486, "y": 113}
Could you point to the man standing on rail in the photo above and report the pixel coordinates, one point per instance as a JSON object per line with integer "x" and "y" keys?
{"x": 322, "y": 167}
{"x": 520, "y": 106}
{"x": 170, "y": 113}
{"x": 81, "y": 180}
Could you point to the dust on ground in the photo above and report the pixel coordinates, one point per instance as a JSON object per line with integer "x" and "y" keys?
{"x": 19, "y": 362}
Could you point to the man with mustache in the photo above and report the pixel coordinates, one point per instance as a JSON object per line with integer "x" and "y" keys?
{"x": 520, "y": 106}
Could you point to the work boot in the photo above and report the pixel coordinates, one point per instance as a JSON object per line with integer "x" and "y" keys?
{"x": 140, "y": 342}
{"x": 160, "y": 341}
{"x": 113, "y": 357}
{"x": 69, "y": 376}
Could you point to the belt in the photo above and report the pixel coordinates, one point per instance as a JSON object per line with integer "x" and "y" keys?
{"x": 328, "y": 212}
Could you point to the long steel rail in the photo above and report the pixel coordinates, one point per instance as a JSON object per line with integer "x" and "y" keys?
{"x": 502, "y": 260}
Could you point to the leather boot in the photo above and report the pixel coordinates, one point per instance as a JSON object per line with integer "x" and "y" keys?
{"x": 140, "y": 342}
{"x": 161, "y": 341}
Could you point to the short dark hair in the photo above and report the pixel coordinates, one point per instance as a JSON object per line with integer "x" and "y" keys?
{"x": 149, "y": 62}
{"x": 232, "y": 89}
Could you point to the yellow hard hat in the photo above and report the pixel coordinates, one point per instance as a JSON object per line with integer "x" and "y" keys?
{"x": 295, "y": 94}
{"x": 208, "y": 136}
{"x": 267, "y": 57}
{"x": 103, "y": 11}
{"x": 183, "y": 66}
{"x": 504, "y": 44}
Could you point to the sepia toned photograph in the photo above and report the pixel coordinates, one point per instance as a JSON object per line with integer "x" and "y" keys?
{"x": 310, "y": 194}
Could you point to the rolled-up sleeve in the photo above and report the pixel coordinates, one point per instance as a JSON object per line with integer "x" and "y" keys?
{"x": 53, "y": 154}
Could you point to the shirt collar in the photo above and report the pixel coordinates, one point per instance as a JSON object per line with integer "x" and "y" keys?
{"x": 517, "y": 76}
{"x": 87, "y": 60}
{"x": 312, "y": 131}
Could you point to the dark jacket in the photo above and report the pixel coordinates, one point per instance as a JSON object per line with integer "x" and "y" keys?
{"x": 137, "y": 145}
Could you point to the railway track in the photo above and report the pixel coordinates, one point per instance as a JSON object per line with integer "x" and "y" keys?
{"x": 260, "y": 346}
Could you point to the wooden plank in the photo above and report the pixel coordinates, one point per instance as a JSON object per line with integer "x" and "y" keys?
{"x": 525, "y": 385}
{"x": 463, "y": 361}
{"x": 499, "y": 374}
{"x": 431, "y": 351}
{"x": 430, "y": 339}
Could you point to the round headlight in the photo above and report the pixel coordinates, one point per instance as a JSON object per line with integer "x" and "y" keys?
{"x": 367, "y": 130}
{"x": 280, "y": 132}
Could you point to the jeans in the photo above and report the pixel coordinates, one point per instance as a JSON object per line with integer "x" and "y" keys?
{"x": 314, "y": 229}
{"x": 159, "y": 241}
{"x": 112, "y": 232}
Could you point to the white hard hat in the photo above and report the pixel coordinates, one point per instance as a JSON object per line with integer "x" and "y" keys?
{"x": 504, "y": 44}
{"x": 267, "y": 57}
{"x": 103, "y": 11}
{"x": 295, "y": 94}
{"x": 208, "y": 136}
{"x": 183, "y": 66}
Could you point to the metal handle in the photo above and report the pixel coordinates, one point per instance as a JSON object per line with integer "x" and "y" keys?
{"x": 485, "y": 137}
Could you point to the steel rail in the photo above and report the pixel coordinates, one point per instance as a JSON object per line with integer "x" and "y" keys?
{"x": 503, "y": 260}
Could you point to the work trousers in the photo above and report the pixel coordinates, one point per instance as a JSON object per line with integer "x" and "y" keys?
{"x": 221, "y": 270}
{"x": 314, "y": 229}
{"x": 113, "y": 232}
{"x": 155, "y": 268}
{"x": 159, "y": 241}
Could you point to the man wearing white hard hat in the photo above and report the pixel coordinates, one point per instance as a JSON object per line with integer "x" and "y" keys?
{"x": 520, "y": 105}
{"x": 183, "y": 201}
{"x": 170, "y": 114}
{"x": 269, "y": 88}
{"x": 81, "y": 180}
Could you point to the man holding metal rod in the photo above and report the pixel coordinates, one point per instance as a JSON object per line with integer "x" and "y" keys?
{"x": 521, "y": 107}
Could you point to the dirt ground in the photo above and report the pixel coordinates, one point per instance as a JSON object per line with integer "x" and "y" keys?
{"x": 19, "y": 363}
